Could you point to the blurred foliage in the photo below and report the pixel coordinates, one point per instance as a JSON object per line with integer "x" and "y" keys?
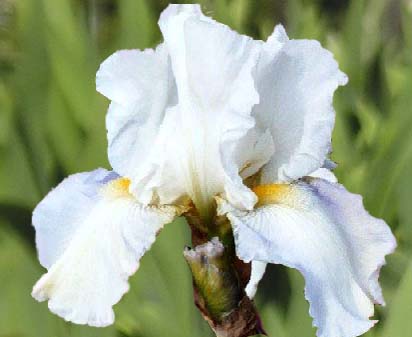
{"x": 52, "y": 124}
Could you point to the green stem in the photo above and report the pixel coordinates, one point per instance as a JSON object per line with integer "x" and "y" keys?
{"x": 219, "y": 279}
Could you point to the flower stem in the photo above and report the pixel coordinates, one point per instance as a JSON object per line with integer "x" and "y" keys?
{"x": 219, "y": 279}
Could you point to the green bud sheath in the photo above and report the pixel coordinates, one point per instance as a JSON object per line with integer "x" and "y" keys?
{"x": 219, "y": 277}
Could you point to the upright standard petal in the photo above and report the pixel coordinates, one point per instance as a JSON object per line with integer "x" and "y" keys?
{"x": 296, "y": 80}
{"x": 90, "y": 235}
{"x": 178, "y": 112}
{"x": 137, "y": 77}
{"x": 323, "y": 231}
{"x": 141, "y": 87}
{"x": 213, "y": 68}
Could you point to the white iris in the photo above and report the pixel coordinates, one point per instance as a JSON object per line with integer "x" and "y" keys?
{"x": 190, "y": 121}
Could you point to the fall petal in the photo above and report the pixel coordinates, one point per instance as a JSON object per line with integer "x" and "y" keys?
{"x": 90, "y": 235}
{"x": 323, "y": 231}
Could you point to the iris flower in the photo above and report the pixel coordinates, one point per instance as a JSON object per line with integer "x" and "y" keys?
{"x": 230, "y": 126}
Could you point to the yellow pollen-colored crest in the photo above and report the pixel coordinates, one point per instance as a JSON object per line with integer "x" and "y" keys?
{"x": 118, "y": 187}
{"x": 123, "y": 184}
{"x": 272, "y": 193}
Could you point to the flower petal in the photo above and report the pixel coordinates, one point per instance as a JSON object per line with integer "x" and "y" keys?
{"x": 296, "y": 80}
{"x": 258, "y": 268}
{"x": 212, "y": 64}
{"x": 136, "y": 77}
{"x": 177, "y": 109}
{"x": 323, "y": 231}
{"x": 213, "y": 68}
{"x": 141, "y": 87}
{"x": 91, "y": 234}
{"x": 257, "y": 272}
{"x": 242, "y": 157}
{"x": 325, "y": 174}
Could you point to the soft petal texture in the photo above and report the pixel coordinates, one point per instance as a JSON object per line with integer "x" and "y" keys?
{"x": 91, "y": 234}
{"x": 213, "y": 68}
{"x": 258, "y": 268}
{"x": 296, "y": 80}
{"x": 257, "y": 272}
{"x": 179, "y": 112}
{"x": 136, "y": 77}
{"x": 242, "y": 157}
{"x": 323, "y": 231}
{"x": 325, "y": 174}
{"x": 141, "y": 87}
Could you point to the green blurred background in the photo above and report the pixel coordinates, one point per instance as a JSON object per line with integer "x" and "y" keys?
{"x": 52, "y": 124}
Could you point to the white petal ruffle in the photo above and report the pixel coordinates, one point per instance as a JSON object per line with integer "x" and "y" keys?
{"x": 323, "y": 231}
{"x": 296, "y": 80}
{"x": 90, "y": 235}
{"x": 179, "y": 113}
{"x": 213, "y": 68}
{"x": 141, "y": 87}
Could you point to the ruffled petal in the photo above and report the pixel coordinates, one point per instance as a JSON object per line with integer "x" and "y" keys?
{"x": 242, "y": 157}
{"x": 296, "y": 80}
{"x": 213, "y": 68}
{"x": 323, "y": 231}
{"x": 90, "y": 235}
{"x": 141, "y": 87}
{"x": 198, "y": 88}
{"x": 136, "y": 77}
